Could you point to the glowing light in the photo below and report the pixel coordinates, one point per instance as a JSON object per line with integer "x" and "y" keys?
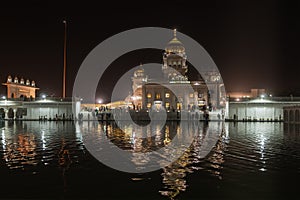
{"x": 262, "y": 96}
{"x": 43, "y": 140}
{"x": 100, "y": 101}
{"x": 3, "y": 140}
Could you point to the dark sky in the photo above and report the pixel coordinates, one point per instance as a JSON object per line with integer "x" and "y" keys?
{"x": 254, "y": 44}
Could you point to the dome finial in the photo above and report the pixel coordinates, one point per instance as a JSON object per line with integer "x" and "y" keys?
{"x": 175, "y": 32}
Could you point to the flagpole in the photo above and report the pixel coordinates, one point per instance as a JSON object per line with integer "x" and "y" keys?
{"x": 65, "y": 59}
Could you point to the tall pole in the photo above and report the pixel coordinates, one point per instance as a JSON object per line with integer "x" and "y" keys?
{"x": 65, "y": 59}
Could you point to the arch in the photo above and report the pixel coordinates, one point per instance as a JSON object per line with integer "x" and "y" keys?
{"x": 297, "y": 115}
{"x": 10, "y": 113}
{"x": 286, "y": 115}
{"x": 291, "y": 116}
{"x": 2, "y": 113}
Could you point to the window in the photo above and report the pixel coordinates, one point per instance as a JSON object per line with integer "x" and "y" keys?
{"x": 148, "y": 105}
{"x": 149, "y": 95}
{"x": 157, "y": 96}
{"x": 167, "y": 105}
{"x": 179, "y": 106}
{"x": 191, "y": 95}
{"x": 167, "y": 95}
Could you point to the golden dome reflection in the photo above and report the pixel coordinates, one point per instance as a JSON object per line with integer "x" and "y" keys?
{"x": 154, "y": 138}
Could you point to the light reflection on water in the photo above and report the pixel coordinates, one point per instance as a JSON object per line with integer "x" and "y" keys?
{"x": 246, "y": 155}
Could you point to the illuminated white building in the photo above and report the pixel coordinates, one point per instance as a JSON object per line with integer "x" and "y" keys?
{"x": 174, "y": 69}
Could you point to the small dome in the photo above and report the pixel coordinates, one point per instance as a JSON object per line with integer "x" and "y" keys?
{"x": 139, "y": 72}
{"x": 22, "y": 81}
{"x": 32, "y": 83}
{"x": 27, "y": 82}
{"x": 175, "y": 45}
{"x": 9, "y": 79}
{"x": 16, "y": 80}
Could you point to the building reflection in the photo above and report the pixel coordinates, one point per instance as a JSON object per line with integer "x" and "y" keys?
{"x": 19, "y": 149}
{"x": 194, "y": 157}
{"x": 291, "y": 129}
{"x": 216, "y": 157}
{"x": 26, "y": 144}
{"x": 174, "y": 175}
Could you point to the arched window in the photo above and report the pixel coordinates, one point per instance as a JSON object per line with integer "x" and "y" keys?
{"x": 157, "y": 96}
{"x": 286, "y": 115}
{"x": 167, "y": 105}
{"x": 297, "y": 116}
{"x": 291, "y": 116}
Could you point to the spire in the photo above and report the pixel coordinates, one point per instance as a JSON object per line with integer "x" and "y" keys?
{"x": 175, "y": 45}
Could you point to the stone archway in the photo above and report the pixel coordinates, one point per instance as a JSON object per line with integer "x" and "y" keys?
{"x": 11, "y": 113}
{"x": 2, "y": 113}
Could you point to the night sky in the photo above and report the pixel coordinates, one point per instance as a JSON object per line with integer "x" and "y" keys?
{"x": 254, "y": 44}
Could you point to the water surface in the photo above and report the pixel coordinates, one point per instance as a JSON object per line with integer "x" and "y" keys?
{"x": 249, "y": 161}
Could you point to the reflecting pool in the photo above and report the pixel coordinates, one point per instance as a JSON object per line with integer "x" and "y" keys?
{"x": 247, "y": 161}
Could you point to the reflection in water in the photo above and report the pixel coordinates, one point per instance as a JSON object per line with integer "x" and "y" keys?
{"x": 174, "y": 176}
{"x": 292, "y": 130}
{"x": 19, "y": 149}
{"x": 29, "y": 145}
{"x": 53, "y": 154}
{"x": 64, "y": 161}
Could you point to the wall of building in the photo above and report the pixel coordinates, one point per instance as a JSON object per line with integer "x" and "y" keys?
{"x": 16, "y": 91}
{"x": 292, "y": 114}
{"x": 186, "y": 95}
{"x": 48, "y": 110}
{"x": 258, "y": 110}
{"x": 35, "y": 110}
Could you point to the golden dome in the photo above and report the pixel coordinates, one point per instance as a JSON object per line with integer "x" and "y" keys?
{"x": 139, "y": 72}
{"x": 175, "y": 45}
